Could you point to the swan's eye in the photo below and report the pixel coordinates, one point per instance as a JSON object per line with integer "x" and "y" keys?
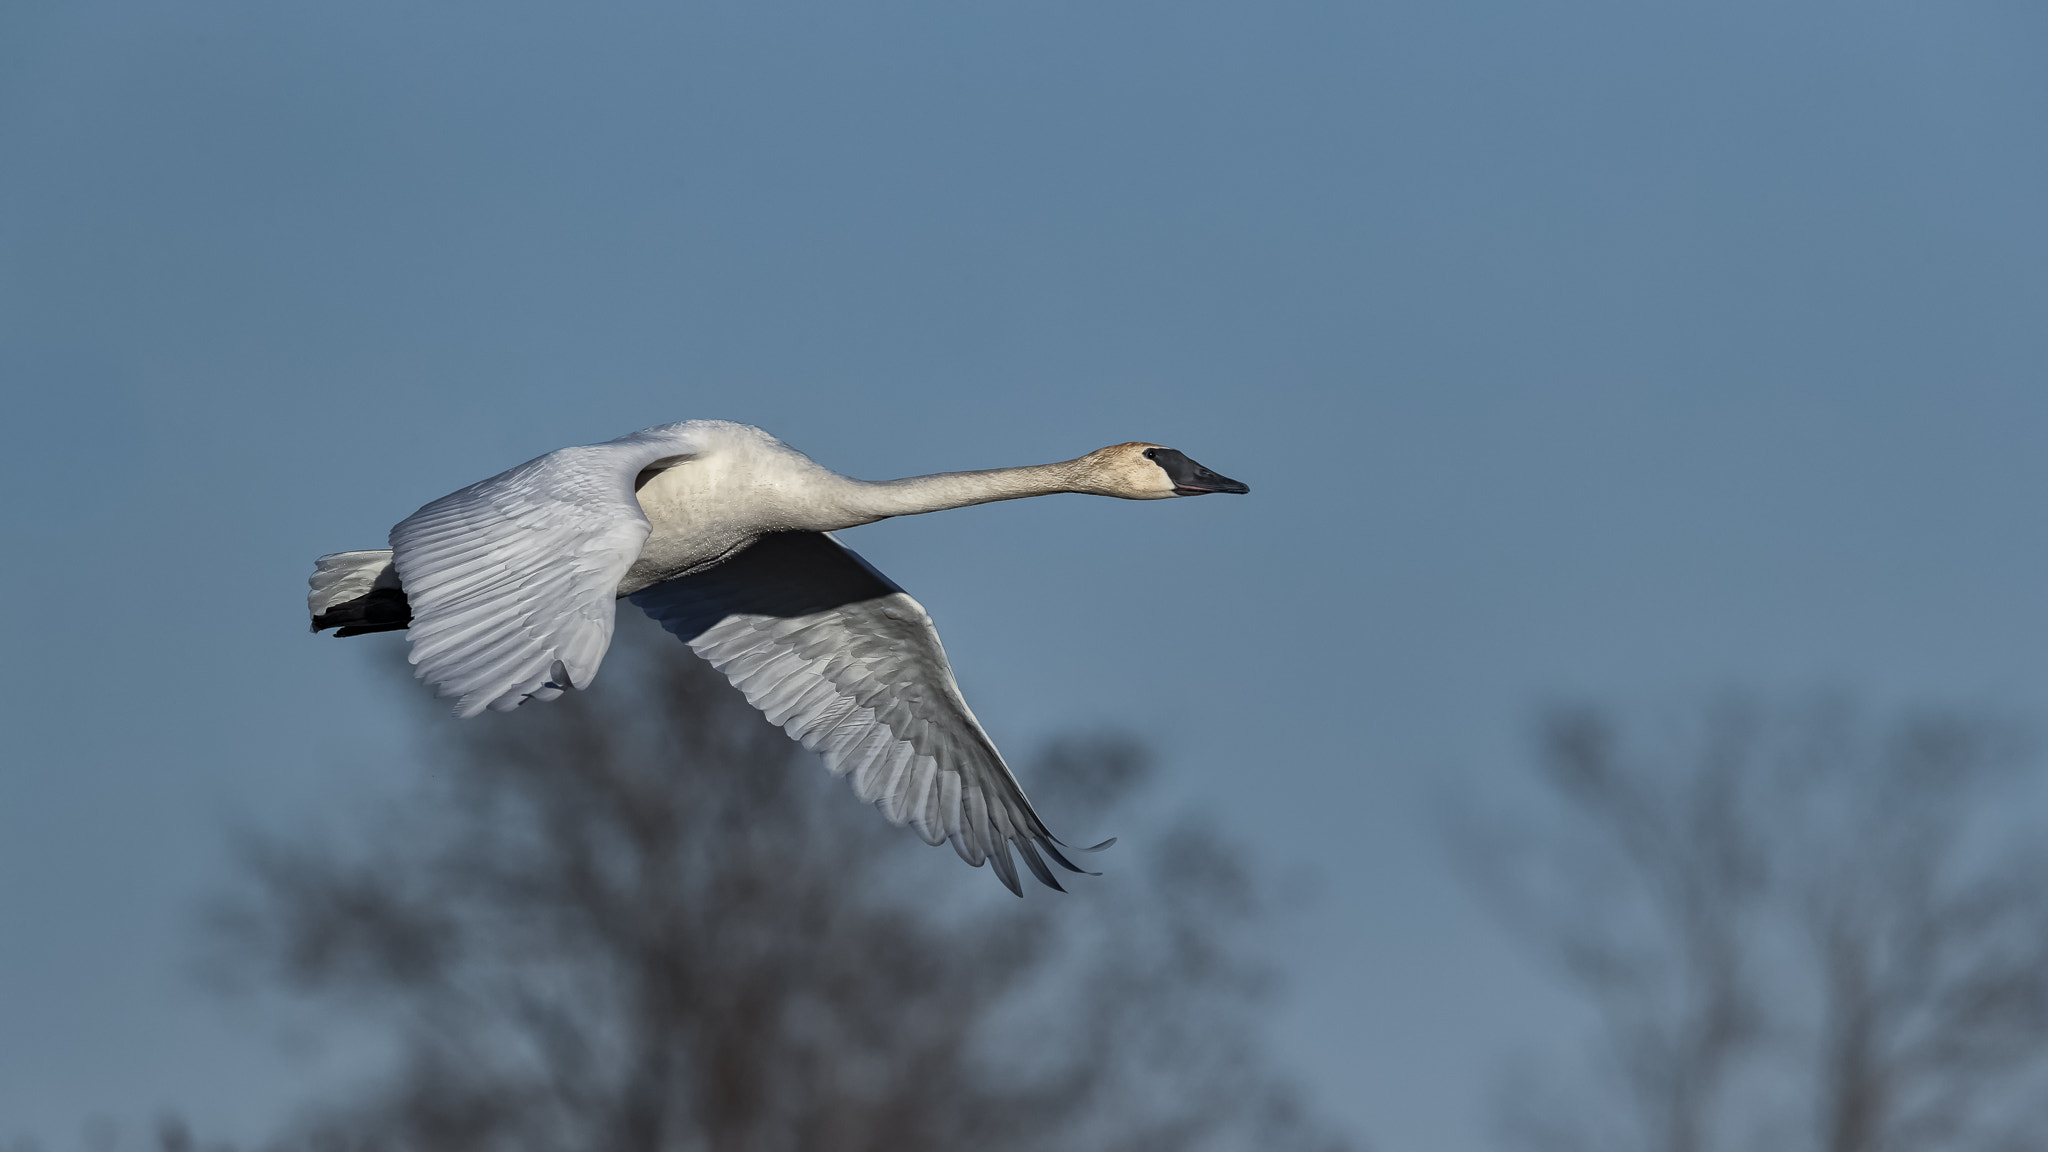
{"x": 1151, "y": 453}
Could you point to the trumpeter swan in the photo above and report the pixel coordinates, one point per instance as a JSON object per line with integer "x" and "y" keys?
{"x": 721, "y": 532}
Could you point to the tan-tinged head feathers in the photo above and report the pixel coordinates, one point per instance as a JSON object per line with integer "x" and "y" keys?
{"x": 1139, "y": 470}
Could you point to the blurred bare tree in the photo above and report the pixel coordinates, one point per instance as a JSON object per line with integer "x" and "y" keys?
{"x": 640, "y": 919}
{"x": 1798, "y": 930}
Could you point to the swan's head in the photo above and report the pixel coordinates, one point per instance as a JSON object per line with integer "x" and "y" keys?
{"x": 1140, "y": 471}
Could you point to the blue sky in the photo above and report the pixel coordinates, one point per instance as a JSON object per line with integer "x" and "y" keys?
{"x": 1623, "y": 350}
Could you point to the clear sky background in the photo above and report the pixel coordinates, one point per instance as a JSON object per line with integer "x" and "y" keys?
{"x": 1631, "y": 351}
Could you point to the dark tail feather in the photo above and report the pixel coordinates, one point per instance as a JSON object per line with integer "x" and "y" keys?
{"x": 378, "y": 610}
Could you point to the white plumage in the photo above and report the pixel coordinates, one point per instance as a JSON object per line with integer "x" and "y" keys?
{"x": 718, "y": 531}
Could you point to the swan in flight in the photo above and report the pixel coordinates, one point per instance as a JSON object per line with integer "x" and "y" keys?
{"x": 722, "y": 534}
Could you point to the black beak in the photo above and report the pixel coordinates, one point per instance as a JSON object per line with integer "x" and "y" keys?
{"x": 1190, "y": 478}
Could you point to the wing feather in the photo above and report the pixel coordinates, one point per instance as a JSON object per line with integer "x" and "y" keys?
{"x": 848, "y": 664}
{"x": 512, "y": 580}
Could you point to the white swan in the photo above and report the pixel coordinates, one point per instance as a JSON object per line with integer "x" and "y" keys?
{"x": 718, "y": 531}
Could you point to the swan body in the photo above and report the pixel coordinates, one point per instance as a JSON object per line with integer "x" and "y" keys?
{"x": 721, "y": 533}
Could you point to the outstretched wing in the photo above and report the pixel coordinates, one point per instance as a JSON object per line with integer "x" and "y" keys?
{"x": 838, "y": 655}
{"x": 513, "y": 580}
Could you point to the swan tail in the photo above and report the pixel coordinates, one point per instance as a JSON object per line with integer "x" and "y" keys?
{"x": 357, "y": 592}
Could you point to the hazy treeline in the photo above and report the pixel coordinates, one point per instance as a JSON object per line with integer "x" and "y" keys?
{"x": 640, "y": 919}
{"x": 1800, "y": 929}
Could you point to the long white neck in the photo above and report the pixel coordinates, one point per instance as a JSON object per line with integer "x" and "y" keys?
{"x": 866, "y": 501}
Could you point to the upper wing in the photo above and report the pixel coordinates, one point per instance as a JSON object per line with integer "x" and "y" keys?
{"x": 849, "y": 665}
{"x": 512, "y": 580}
